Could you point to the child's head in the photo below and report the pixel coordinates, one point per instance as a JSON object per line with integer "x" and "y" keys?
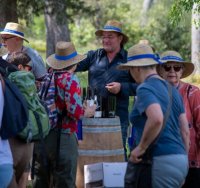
{"x": 21, "y": 60}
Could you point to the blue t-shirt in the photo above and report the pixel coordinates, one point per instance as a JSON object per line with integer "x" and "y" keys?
{"x": 152, "y": 91}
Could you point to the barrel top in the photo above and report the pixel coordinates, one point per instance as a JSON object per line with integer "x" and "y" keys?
{"x": 101, "y": 121}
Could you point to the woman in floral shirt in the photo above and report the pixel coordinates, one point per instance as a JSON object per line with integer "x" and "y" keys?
{"x": 175, "y": 69}
{"x": 65, "y": 112}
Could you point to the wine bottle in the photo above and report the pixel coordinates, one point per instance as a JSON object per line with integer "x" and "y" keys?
{"x": 112, "y": 105}
{"x": 98, "y": 112}
{"x": 105, "y": 110}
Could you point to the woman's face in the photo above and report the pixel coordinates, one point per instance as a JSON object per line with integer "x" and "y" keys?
{"x": 172, "y": 72}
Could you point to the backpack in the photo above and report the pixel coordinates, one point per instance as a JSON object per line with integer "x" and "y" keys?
{"x": 15, "y": 110}
{"x": 38, "y": 122}
{"x": 47, "y": 97}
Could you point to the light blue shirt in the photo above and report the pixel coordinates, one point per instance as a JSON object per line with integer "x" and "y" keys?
{"x": 5, "y": 152}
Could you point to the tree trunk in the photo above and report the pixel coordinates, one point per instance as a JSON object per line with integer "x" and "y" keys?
{"x": 56, "y": 24}
{"x": 195, "y": 40}
{"x": 8, "y": 12}
{"x": 145, "y": 8}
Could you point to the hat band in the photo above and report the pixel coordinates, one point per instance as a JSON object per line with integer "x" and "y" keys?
{"x": 67, "y": 57}
{"x": 113, "y": 28}
{"x": 14, "y": 32}
{"x": 143, "y": 56}
{"x": 170, "y": 57}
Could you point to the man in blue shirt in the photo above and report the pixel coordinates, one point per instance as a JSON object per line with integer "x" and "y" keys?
{"x": 103, "y": 74}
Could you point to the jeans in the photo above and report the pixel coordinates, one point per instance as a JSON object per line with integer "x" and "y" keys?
{"x": 6, "y": 173}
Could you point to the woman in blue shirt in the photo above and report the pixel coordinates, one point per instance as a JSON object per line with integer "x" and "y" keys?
{"x": 170, "y": 162}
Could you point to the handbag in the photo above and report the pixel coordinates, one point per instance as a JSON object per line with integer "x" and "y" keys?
{"x": 138, "y": 175}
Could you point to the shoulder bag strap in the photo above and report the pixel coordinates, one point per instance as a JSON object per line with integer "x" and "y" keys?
{"x": 167, "y": 113}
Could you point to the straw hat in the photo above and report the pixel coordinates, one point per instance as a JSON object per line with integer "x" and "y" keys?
{"x": 65, "y": 56}
{"x": 3, "y": 50}
{"x": 15, "y": 29}
{"x": 140, "y": 55}
{"x": 112, "y": 25}
{"x": 173, "y": 56}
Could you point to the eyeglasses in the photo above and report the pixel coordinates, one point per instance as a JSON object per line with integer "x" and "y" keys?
{"x": 176, "y": 68}
{"x": 7, "y": 38}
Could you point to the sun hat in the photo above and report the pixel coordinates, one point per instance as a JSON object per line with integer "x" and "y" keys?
{"x": 3, "y": 50}
{"x": 64, "y": 56}
{"x": 15, "y": 29}
{"x": 115, "y": 26}
{"x": 140, "y": 55}
{"x": 173, "y": 56}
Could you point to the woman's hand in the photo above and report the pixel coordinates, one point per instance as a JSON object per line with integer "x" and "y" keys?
{"x": 136, "y": 154}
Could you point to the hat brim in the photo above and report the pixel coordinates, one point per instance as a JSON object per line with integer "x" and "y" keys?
{"x": 3, "y": 51}
{"x": 138, "y": 63}
{"x": 61, "y": 64}
{"x": 8, "y": 33}
{"x": 100, "y": 33}
{"x": 188, "y": 67}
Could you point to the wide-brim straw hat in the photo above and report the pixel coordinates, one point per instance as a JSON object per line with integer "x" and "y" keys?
{"x": 3, "y": 50}
{"x": 115, "y": 26}
{"x": 64, "y": 56}
{"x": 173, "y": 56}
{"x": 140, "y": 55}
{"x": 14, "y": 29}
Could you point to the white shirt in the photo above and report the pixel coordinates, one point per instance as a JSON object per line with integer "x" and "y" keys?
{"x": 5, "y": 152}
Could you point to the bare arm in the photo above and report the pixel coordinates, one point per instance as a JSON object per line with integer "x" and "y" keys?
{"x": 152, "y": 128}
{"x": 185, "y": 131}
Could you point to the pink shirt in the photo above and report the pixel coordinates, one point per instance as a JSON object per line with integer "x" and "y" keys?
{"x": 191, "y": 99}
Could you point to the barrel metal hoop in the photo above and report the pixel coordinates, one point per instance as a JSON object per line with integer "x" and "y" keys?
{"x": 101, "y": 152}
{"x": 101, "y": 129}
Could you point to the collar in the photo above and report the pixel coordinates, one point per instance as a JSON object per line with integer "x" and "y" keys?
{"x": 122, "y": 53}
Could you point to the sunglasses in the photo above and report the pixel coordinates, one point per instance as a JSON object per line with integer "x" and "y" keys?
{"x": 7, "y": 38}
{"x": 176, "y": 68}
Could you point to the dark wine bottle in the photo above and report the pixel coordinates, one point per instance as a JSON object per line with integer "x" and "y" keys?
{"x": 105, "y": 110}
{"x": 112, "y": 106}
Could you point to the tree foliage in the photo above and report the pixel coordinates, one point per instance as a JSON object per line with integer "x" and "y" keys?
{"x": 180, "y": 7}
{"x": 27, "y": 9}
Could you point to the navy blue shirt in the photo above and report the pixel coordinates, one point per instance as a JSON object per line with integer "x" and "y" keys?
{"x": 102, "y": 72}
{"x": 153, "y": 91}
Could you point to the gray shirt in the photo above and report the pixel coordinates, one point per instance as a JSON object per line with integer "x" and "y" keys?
{"x": 38, "y": 66}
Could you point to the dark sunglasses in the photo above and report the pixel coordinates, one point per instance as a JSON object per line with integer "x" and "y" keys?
{"x": 5, "y": 39}
{"x": 176, "y": 68}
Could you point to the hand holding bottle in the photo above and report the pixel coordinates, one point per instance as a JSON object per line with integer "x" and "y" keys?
{"x": 89, "y": 110}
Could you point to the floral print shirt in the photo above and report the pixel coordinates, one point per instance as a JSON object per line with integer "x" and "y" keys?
{"x": 68, "y": 100}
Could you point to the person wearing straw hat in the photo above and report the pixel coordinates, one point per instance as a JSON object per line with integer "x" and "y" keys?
{"x": 102, "y": 73}
{"x": 13, "y": 38}
{"x": 62, "y": 165}
{"x": 169, "y": 151}
{"x": 4, "y": 65}
{"x": 173, "y": 71}
{"x": 6, "y": 162}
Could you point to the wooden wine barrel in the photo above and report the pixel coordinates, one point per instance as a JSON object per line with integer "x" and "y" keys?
{"x": 102, "y": 142}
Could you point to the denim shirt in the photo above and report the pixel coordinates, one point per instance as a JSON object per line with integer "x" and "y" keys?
{"x": 101, "y": 72}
